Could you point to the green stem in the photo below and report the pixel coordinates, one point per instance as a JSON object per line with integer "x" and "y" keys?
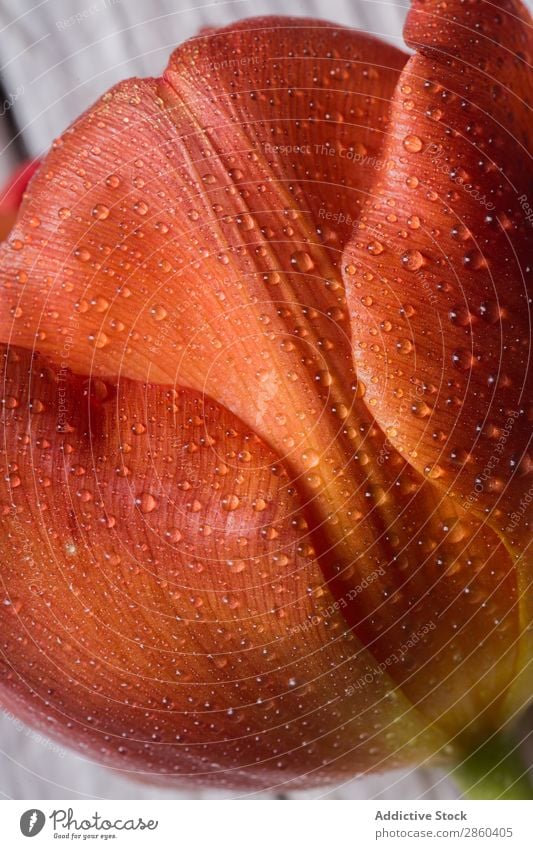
{"x": 494, "y": 771}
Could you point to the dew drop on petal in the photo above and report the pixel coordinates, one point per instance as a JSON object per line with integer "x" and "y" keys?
{"x": 404, "y": 346}
{"x": 420, "y": 409}
{"x": 158, "y": 312}
{"x": 230, "y": 502}
{"x": 462, "y": 359}
{"x": 310, "y": 459}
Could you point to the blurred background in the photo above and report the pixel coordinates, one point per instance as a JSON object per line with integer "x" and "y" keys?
{"x": 56, "y": 58}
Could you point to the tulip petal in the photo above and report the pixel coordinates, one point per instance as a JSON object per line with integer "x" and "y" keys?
{"x": 162, "y": 605}
{"x": 438, "y": 272}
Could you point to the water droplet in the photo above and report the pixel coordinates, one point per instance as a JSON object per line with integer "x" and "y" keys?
{"x": 37, "y": 406}
{"x": 140, "y": 207}
{"x": 454, "y": 530}
{"x": 434, "y": 472}
{"x": 174, "y": 535}
{"x": 99, "y": 339}
{"x": 313, "y": 481}
{"x": 460, "y": 232}
{"x": 475, "y": 260}
{"x": 245, "y": 221}
{"x": 324, "y": 378}
{"x": 490, "y": 312}
{"x": 14, "y": 605}
{"x": 413, "y": 144}
{"x": 420, "y": 409}
{"x": 310, "y": 459}
{"x": 302, "y": 261}
{"x": 462, "y": 359}
{"x": 460, "y": 315}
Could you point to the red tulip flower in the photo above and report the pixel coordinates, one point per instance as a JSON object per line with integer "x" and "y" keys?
{"x": 267, "y": 405}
